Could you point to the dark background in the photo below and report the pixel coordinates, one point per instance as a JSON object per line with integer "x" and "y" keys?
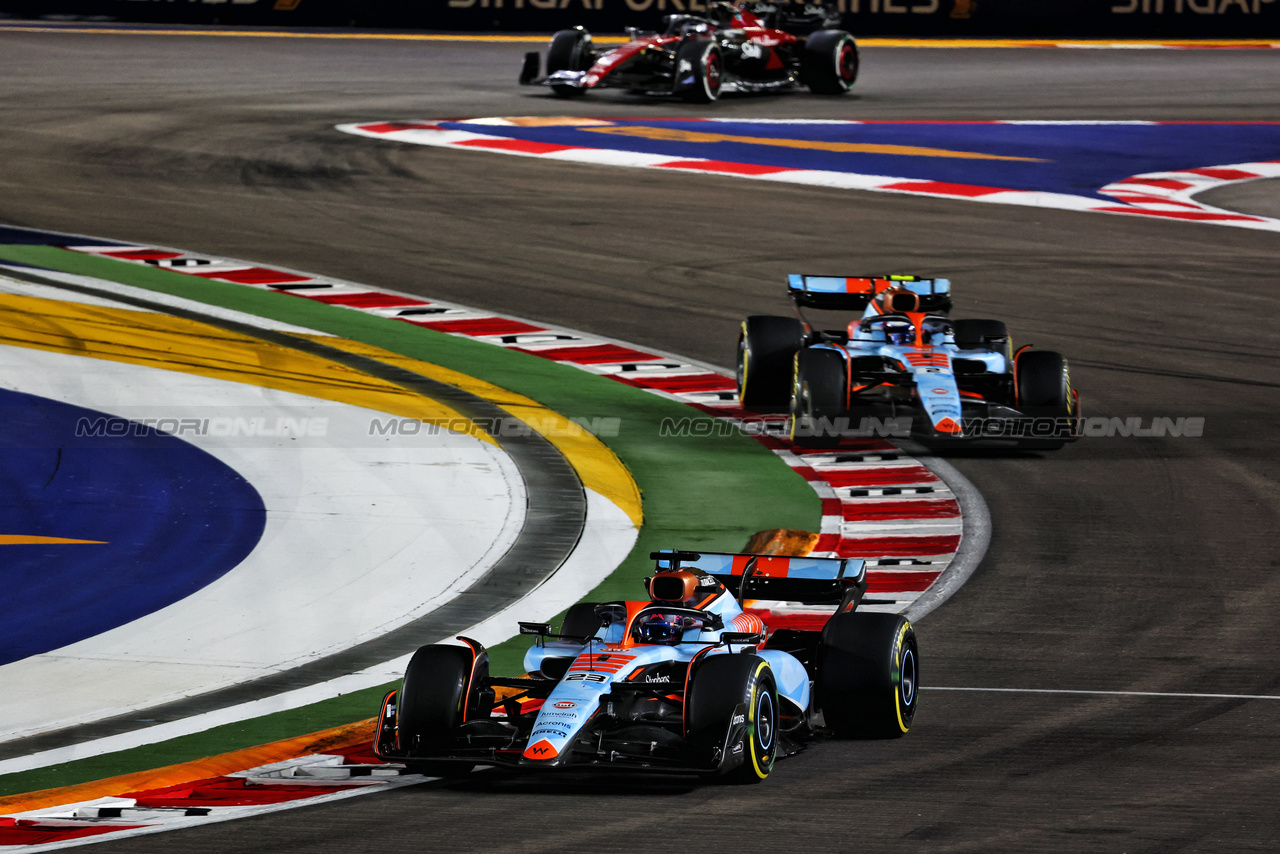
{"x": 933, "y": 18}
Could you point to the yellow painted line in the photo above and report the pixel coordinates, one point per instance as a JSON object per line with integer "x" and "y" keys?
{"x": 597, "y": 466}
{"x": 678, "y": 135}
{"x": 325, "y": 741}
{"x": 544, "y": 39}
{"x": 187, "y": 346}
{"x": 23, "y": 540}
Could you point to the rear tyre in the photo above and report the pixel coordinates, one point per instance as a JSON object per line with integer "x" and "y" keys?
{"x": 719, "y": 685}
{"x": 829, "y": 62}
{"x": 818, "y": 391}
{"x": 766, "y": 349}
{"x": 868, "y": 675}
{"x": 701, "y": 82}
{"x": 570, "y": 51}
{"x": 440, "y": 692}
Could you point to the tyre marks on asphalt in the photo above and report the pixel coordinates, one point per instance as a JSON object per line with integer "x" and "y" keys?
{"x": 1066, "y": 165}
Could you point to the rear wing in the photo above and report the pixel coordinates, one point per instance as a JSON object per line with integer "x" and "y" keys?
{"x": 837, "y": 293}
{"x": 812, "y": 580}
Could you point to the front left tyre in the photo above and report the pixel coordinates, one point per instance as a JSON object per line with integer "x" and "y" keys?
{"x": 570, "y": 51}
{"x": 735, "y": 693}
{"x": 829, "y": 62}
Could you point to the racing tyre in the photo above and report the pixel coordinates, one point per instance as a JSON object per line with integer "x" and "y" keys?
{"x": 990, "y": 335}
{"x": 581, "y": 620}
{"x": 829, "y": 63}
{"x": 1044, "y": 391}
{"x": 440, "y": 692}
{"x": 766, "y": 349}
{"x": 868, "y": 675}
{"x": 1044, "y": 384}
{"x": 701, "y": 81}
{"x": 818, "y": 392}
{"x": 570, "y": 51}
{"x": 722, "y": 688}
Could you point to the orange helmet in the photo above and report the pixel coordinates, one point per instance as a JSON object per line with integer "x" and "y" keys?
{"x": 682, "y": 587}
{"x": 898, "y": 301}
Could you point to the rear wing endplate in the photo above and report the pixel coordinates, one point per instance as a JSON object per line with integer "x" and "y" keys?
{"x": 813, "y": 580}
{"x": 838, "y": 293}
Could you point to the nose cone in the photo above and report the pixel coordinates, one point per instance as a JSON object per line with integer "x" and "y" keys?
{"x": 542, "y": 750}
{"x": 947, "y": 425}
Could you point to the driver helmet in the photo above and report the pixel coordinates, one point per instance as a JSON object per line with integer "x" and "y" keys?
{"x": 660, "y": 628}
{"x": 900, "y": 334}
{"x": 679, "y": 25}
{"x": 721, "y": 13}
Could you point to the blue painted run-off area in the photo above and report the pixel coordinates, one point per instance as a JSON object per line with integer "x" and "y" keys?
{"x": 1075, "y": 159}
{"x": 173, "y": 519}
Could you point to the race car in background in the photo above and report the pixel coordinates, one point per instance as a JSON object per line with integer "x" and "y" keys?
{"x": 903, "y": 358}
{"x": 687, "y": 681}
{"x": 742, "y": 47}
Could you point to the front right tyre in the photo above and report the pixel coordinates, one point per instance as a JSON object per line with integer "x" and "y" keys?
{"x": 699, "y": 70}
{"x": 767, "y": 346}
{"x": 441, "y": 690}
{"x": 819, "y": 397}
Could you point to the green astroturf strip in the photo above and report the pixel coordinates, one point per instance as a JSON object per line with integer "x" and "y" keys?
{"x": 700, "y": 492}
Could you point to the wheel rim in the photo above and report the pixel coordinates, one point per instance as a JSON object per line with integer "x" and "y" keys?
{"x": 764, "y": 721}
{"x": 908, "y": 678}
{"x": 712, "y": 75}
{"x": 847, "y": 62}
{"x": 743, "y": 355}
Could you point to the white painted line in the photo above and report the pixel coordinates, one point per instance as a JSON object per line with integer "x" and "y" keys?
{"x": 414, "y": 522}
{"x": 976, "y": 536}
{"x": 1182, "y": 694}
{"x": 607, "y": 538}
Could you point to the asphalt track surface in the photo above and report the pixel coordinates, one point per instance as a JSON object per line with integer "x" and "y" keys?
{"x": 1130, "y": 565}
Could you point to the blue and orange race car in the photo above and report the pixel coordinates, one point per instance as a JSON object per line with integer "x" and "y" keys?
{"x": 902, "y": 368}
{"x": 687, "y": 681}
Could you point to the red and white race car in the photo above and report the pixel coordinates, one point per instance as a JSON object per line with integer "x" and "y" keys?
{"x": 742, "y": 47}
